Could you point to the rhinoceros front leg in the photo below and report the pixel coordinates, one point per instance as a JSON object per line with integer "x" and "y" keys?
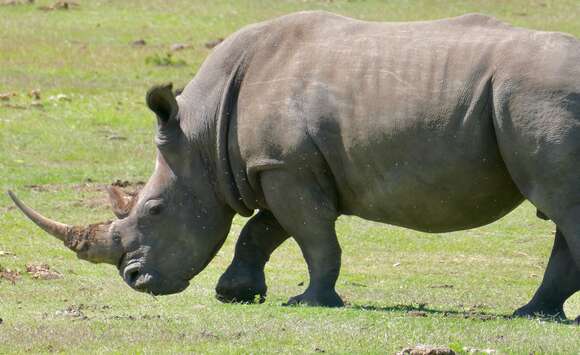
{"x": 561, "y": 280}
{"x": 305, "y": 207}
{"x": 244, "y": 281}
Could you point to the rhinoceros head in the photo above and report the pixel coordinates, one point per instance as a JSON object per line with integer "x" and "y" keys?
{"x": 167, "y": 233}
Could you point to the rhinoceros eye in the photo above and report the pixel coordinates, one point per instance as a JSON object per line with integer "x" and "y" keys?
{"x": 154, "y": 207}
{"x": 155, "y": 210}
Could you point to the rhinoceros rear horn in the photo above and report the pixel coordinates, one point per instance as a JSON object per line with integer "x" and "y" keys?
{"x": 161, "y": 100}
{"x": 93, "y": 243}
{"x": 121, "y": 203}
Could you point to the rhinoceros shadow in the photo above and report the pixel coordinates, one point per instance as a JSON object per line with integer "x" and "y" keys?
{"x": 423, "y": 311}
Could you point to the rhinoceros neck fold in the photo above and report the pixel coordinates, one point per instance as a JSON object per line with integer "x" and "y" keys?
{"x": 225, "y": 115}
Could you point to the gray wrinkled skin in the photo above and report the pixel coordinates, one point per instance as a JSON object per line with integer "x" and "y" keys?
{"x": 435, "y": 126}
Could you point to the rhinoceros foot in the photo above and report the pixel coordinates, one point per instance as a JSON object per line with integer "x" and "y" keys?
{"x": 242, "y": 283}
{"x": 537, "y": 310}
{"x": 316, "y": 298}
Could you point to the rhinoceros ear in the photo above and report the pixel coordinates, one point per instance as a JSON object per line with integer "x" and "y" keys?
{"x": 161, "y": 100}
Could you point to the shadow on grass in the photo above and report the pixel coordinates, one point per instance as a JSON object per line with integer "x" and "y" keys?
{"x": 423, "y": 311}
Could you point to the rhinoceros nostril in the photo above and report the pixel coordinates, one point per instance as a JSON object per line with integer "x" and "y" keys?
{"x": 131, "y": 274}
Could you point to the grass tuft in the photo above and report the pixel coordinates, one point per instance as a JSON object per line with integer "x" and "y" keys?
{"x": 403, "y": 288}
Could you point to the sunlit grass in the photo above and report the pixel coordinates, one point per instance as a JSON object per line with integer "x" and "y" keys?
{"x": 102, "y": 131}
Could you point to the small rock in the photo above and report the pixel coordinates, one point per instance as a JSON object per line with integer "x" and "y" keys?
{"x": 116, "y": 137}
{"x": 139, "y": 43}
{"x": 215, "y": 42}
{"x": 35, "y": 94}
{"x": 179, "y": 47}
{"x": 426, "y": 350}
{"x": 6, "y": 96}
{"x": 396, "y": 264}
{"x": 417, "y": 313}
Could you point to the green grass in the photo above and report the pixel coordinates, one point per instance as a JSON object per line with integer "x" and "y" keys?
{"x": 86, "y": 54}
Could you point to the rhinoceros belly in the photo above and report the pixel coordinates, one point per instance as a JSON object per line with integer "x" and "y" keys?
{"x": 435, "y": 191}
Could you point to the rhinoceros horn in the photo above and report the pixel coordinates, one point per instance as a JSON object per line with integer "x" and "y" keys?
{"x": 94, "y": 242}
{"x": 121, "y": 203}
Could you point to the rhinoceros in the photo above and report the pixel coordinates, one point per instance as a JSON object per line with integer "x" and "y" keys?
{"x": 435, "y": 126}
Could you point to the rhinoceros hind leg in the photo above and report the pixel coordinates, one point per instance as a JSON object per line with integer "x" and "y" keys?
{"x": 305, "y": 206}
{"x": 244, "y": 280}
{"x": 561, "y": 280}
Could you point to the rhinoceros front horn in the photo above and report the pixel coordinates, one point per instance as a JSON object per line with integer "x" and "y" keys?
{"x": 94, "y": 243}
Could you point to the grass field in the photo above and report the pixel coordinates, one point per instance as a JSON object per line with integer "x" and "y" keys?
{"x": 90, "y": 127}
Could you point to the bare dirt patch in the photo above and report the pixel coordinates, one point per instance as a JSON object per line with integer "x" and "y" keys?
{"x": 16, "y": 2}
{"x": 426, "y": 350}
{"x": 42, "y": 272}
{"x": 73, "y": 311}
{"x": 6, "y": 96}
{"x": 60, "y": 5}
{"x": 10, "y": 275}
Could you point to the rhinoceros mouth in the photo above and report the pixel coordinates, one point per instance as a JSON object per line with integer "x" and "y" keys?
{"x": 144, "y": 279}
